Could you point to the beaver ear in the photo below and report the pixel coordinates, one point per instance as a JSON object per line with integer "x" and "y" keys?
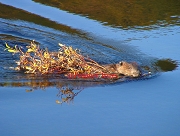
{"x": 121, "y": 63}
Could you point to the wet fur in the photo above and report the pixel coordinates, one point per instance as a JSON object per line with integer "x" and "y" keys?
{"x": 124, "y": 68}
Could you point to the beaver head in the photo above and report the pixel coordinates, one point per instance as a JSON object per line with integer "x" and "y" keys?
{"x": 128, "y": 69}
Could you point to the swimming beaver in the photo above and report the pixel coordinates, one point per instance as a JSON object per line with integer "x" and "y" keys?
{"x": 124, "y": 68}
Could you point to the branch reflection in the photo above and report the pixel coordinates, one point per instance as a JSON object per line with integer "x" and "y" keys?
{"x": 67, "y": 90}
{"x": 67, "y": 94}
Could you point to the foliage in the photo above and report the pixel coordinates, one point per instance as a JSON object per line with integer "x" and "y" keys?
{"x": 66, "y": 61}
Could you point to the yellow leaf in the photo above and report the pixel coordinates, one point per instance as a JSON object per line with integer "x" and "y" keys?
{"x": 7, "y": 46}
{"x": 46, "y": 55}
{"x": 30, "y": 50}
{"x": 10, "y": 49}
{"x": 28, "y": 68}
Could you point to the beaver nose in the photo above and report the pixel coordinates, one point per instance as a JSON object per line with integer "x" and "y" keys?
{"x": 136, "y": 73}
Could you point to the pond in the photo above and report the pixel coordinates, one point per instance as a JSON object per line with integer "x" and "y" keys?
{"x": 145, "y": 32}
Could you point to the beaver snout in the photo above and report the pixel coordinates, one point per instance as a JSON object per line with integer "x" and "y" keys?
{"x": 136, "y": 73}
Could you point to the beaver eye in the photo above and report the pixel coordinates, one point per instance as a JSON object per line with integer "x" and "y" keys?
{"x": 121, "y": 63}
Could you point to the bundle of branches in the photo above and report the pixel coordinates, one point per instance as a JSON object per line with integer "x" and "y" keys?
{"x": 66, "y": 60}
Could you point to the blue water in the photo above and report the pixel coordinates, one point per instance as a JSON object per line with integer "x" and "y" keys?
{"x": 146, "y": 107}
{"x": 135, "y": 108}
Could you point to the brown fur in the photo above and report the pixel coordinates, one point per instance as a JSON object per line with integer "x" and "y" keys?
{"x": 124, "y": 68}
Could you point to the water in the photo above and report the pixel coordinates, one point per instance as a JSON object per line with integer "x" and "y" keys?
{"x": 37, "y": 106}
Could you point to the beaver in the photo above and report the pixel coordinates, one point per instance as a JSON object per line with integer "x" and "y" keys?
{"x": 124, "y": 68}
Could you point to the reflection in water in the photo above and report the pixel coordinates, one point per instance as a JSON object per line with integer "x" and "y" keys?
{"x": 67, "y": 95}
{"x": 166, "y": 64}
{"x": 8, "y": 12}
{"x": 67, "y": 89}
{"x": 124, "y": 13}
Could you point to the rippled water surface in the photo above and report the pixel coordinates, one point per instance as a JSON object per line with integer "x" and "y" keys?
{"x": 145, "y": 32}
